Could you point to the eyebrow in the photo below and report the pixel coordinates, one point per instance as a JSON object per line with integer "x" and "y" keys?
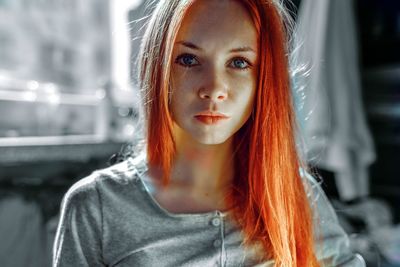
{"x": 234, "y": 50}
{"x": 242, "y": 49}
{"x": 189, "y": 45}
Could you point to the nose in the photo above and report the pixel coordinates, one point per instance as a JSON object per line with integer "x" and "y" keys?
{"x": 214, "y": 88}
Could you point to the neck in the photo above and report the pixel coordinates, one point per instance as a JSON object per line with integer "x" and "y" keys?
{"x": 203, "y": 169}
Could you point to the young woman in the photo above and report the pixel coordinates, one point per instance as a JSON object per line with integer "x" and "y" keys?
{"x": 219, "y": 182}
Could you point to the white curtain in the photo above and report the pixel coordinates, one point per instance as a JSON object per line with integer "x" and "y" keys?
{"x": 332, "y": 116}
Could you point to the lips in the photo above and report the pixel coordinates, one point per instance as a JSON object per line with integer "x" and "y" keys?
{"x": 210, "y": 118}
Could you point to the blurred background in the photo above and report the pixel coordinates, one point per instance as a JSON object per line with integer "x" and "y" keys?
{"x": 68, "y": 102}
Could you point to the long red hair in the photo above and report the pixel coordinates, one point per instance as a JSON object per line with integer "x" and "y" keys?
{"x": 268, "y": 194}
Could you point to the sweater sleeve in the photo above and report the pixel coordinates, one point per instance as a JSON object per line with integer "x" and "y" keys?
{"x": 79, "y": 234}
{"x": 331, "y": 241}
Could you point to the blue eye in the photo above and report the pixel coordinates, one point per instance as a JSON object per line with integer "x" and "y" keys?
{"x": 240, "y": 63}
{"x": 187, "y": 60}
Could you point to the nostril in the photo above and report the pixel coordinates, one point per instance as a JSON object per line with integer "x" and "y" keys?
{"x": 215, "y": 95}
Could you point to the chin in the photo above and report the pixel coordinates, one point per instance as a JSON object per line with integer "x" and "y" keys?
{"x": 211, "y": 140}
{"x": 200, "y": 135}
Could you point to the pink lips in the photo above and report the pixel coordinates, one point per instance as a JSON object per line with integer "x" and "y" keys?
{"x": 210, "y": 118}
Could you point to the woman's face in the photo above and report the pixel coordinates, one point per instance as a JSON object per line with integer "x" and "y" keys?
{"x": 214, "y": 71}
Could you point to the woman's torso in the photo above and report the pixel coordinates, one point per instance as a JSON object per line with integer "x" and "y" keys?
{"x": 139, "y": 231}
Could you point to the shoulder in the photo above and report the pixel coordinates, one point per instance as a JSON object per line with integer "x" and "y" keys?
{"x": 309, "y": 179}
{"x": 313, "y": 187}
{"x": 83, "y": 191}
{"x": 115, "y": 178}
{"x": 319, "y": 202}
{"x": 332, "y": 242}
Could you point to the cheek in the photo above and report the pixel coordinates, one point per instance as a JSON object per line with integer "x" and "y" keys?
{"x": 185, "y": 80}
{"x": 183, "y": 87}
{"x": 182, "y": 98}
{"x": 246, "y": 93}
{"x": 177, "y": 103}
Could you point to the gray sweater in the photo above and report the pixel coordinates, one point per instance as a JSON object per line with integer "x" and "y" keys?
{"x": 111, "y": 219}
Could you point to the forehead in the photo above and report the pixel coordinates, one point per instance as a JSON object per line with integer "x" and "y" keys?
{"x": 226, "y": 21}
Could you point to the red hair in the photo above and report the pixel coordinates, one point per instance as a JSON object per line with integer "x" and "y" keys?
{"x": 268, "y": 193}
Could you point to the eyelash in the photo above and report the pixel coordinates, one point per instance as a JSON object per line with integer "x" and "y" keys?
{"x": 249, "y": 65}
{"x": 180, "y": 57}
{"x": 178, "y": 60}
